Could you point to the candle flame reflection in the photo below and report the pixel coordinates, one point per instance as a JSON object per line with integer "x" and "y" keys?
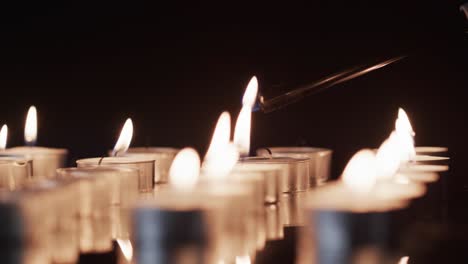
{"x": 244, "y": 120}
{"x": 185, "y": 169}
{"x": 243, "y": 260}
{"x": 3, "y": 137}
{"x": 126, "y": 248}
{"x": 404, "y": 260}
{"x": 361, "y": 171}
{"x": 30, "y": 128}
{"x": 125, "y": 138}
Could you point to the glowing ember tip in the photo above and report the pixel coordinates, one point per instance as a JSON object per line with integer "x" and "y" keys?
{"x": 125, "y": 138}
{"x": 30, "y": 128}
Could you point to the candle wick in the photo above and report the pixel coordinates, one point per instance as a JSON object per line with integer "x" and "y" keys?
{"x": 100, "y": 160}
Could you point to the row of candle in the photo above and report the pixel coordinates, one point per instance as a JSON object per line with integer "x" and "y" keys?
{"x": 210, "y": 212}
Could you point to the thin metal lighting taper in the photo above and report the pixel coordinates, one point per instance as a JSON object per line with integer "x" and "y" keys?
{"x": 297, "y": 94}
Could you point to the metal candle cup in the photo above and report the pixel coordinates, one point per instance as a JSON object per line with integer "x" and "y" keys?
{"x": 14, "y": 172}
{"x": 145, "y": 168}
{"x": 163, "y": 157}
{"x": 45, "y": 160}
{"x": 295, "y": 172}
{"x": 58, "y": 229}
{"x": 187, "y": 226}
{"x": 319, "y": 160}
{"x": 345, "y": 226}
{"x": 96, "y": 187}
{"x": 270, "y": 176}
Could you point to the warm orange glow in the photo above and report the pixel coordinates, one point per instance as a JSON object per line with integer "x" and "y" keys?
{"x": 125, "y": 138}
{"x": 30, "y": 128}
{"x": 185, "y": 169}
{"x": 126, "y": 248}
{"x": 243, "y": 260}
{"x": 3, "y": 137}
{"x": 244, "y": 120}
{"x": 361, "y": 171}
{"x": 222, "y": 155}
{"x": 403, "y": 260}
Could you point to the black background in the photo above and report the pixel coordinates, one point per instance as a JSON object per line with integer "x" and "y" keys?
{"x": 87, "y": 66}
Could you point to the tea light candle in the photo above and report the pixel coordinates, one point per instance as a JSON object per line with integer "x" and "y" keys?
{"x": 144, "y": 165}
{"x": 163, "y": 157}
{"x": 295, "y": 171}
{"x": 45, "y": 160}
{"x": 14, "y": 172}
{"x": 174, "y": 227}
{"x": 319, "y": 160}
{"x": 269, "y": 175}
{"x": 349, "y": 217}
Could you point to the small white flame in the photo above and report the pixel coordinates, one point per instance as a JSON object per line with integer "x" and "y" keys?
{"x": 3, "y": 137}
{"x": 243, "y": 260}
{"x": 244, "y": 120}
{"x": 389, "y": 157}
{"x": 403, "y": 124}
{"x": 125, "y": 138}
{"x": 126, "y": 247}
{"x": 222, "y": 155}
{"x": 361, "y": 171}
{"x": 30, "y": 128}
{"x": 404, "y": 260}
{"x": 185, "y": 169}
{"x": 221, "y": 135}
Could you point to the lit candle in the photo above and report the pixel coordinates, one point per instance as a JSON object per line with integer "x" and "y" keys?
{"x": 145, "y": 165}
{"x": 221, "y": 158}
{"x": 175, "y": 226}
{"x": 45, "y": 160}
{"x": 354, "y": 207}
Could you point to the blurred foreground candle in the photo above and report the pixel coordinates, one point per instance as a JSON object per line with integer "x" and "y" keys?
{"x": 55, "y": 226}
{"x": 100, "y": 189}
{"x": 246, "y": 211}
{"x": 144, "y": 164}
{"x": 174, "y": 227}
{"x": 319, "y": 160}
{"x": 347, "y": 220}
{"x": 45, "y": 160}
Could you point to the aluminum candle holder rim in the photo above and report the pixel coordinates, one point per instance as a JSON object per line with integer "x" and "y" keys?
{"x": 273, "y": 160}
{"x": 19, "y": 161}
{"x": 299, "y": 150}
{"x": 115, "y": 160}
{"x": 91, "y": 169}
{"x": 430, "y": 149}
{"x": 154, "y": 150}
{"x": 33, "y": 151}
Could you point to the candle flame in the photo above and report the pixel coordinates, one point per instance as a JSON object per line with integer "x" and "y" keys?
{"x": 243, "y": 260}
{"x": 126, "y": 248}
{"x": 244, "y": 120}
{"x": 185, "y": 169}
{"x": 389, "y": 157}
{"x": 30, "y": 128}
{"x": 3, "y": 137}
{"x": 221, "y": 134}
{"x": 404, "y": 260}
{"x": 222, "y": 155}
{"x": 125, "y": 138}
{"x": 403, "y": 124}
{"x": 361, "y": 171}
